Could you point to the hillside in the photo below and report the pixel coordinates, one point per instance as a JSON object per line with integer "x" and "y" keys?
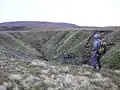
{"x": 37, "y": 56}
{"x": 25, "y": 25}
{"x": 16, "y": 74}
{"x": 52, "y": 44}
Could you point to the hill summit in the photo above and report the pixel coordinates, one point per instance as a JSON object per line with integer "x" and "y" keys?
{"x": 39, "y": 24}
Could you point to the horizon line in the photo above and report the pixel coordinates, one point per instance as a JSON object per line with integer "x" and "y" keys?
{"x": 62, "y": 22}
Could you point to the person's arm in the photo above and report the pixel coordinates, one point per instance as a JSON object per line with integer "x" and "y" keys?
{"x": 105, "y": 49}
{"x": 95, "y": 46}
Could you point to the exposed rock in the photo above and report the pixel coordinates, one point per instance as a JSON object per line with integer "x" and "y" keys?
{"x": 117, "y": 71}
{"x": 39, "y": 63}
{"x": 15, "y": 77}
{"x": 97, "y": 75}
{"x": 68, "y": 79}
{"x": 3, "y": 87}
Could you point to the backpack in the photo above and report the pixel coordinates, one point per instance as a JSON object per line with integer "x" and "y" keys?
{"x": 102, "y": 49}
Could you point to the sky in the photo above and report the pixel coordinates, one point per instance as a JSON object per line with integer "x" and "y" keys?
{"x": 80, "y": 12}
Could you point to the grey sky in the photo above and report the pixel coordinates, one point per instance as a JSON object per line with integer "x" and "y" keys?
{"x": 80, "y": 12}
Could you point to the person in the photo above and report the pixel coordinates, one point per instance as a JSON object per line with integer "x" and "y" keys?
{"x": 99, "y": 49}
{"x": 101, "y": 52}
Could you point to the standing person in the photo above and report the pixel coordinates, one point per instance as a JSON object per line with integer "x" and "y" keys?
{"x": 101, "y": 52}
{"x": 98, "y": 51}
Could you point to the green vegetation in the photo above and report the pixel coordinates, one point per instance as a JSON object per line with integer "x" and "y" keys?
{"x": 38, "y": 74}
{"x": 55, "y": 43}
{"x": 112, "y": 58}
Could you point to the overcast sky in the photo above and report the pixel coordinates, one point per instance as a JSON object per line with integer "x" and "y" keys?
{"x": 80, "y": 12}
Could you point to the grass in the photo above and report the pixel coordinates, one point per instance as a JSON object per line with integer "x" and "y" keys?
{"x": 55, "y": 43}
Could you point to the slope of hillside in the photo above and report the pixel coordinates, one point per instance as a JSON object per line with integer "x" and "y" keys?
{"x": 52, "y": 45}
{"x": 23, "y": 65}
{"x": 12, "y": 47}
{"x": 34, "y": 24}
{"x": 36, "y": 74}
{"x": 112, "y": 58}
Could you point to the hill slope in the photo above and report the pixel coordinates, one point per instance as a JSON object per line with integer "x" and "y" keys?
{"x": 53, "y": 44}
{"x": 23, "y": 65}
{"x": 18, "y": 74}
{"x": 35, "y": 24}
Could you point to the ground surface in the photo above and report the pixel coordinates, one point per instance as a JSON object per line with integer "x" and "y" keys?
{"x": 18, "y": 74}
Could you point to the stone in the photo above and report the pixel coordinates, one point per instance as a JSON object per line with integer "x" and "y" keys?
{"x": 2, "y": 87}
{"x": 68, "y": 79}
{"x": 15, "y": 77}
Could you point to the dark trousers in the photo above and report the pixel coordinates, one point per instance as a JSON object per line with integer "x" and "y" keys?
{"x": 99, "y": 61}
{"x": 96, "y": 60}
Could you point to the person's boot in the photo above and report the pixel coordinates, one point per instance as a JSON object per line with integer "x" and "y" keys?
{"x": 94, "y": 68}
{"x": 99, "y": 68}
